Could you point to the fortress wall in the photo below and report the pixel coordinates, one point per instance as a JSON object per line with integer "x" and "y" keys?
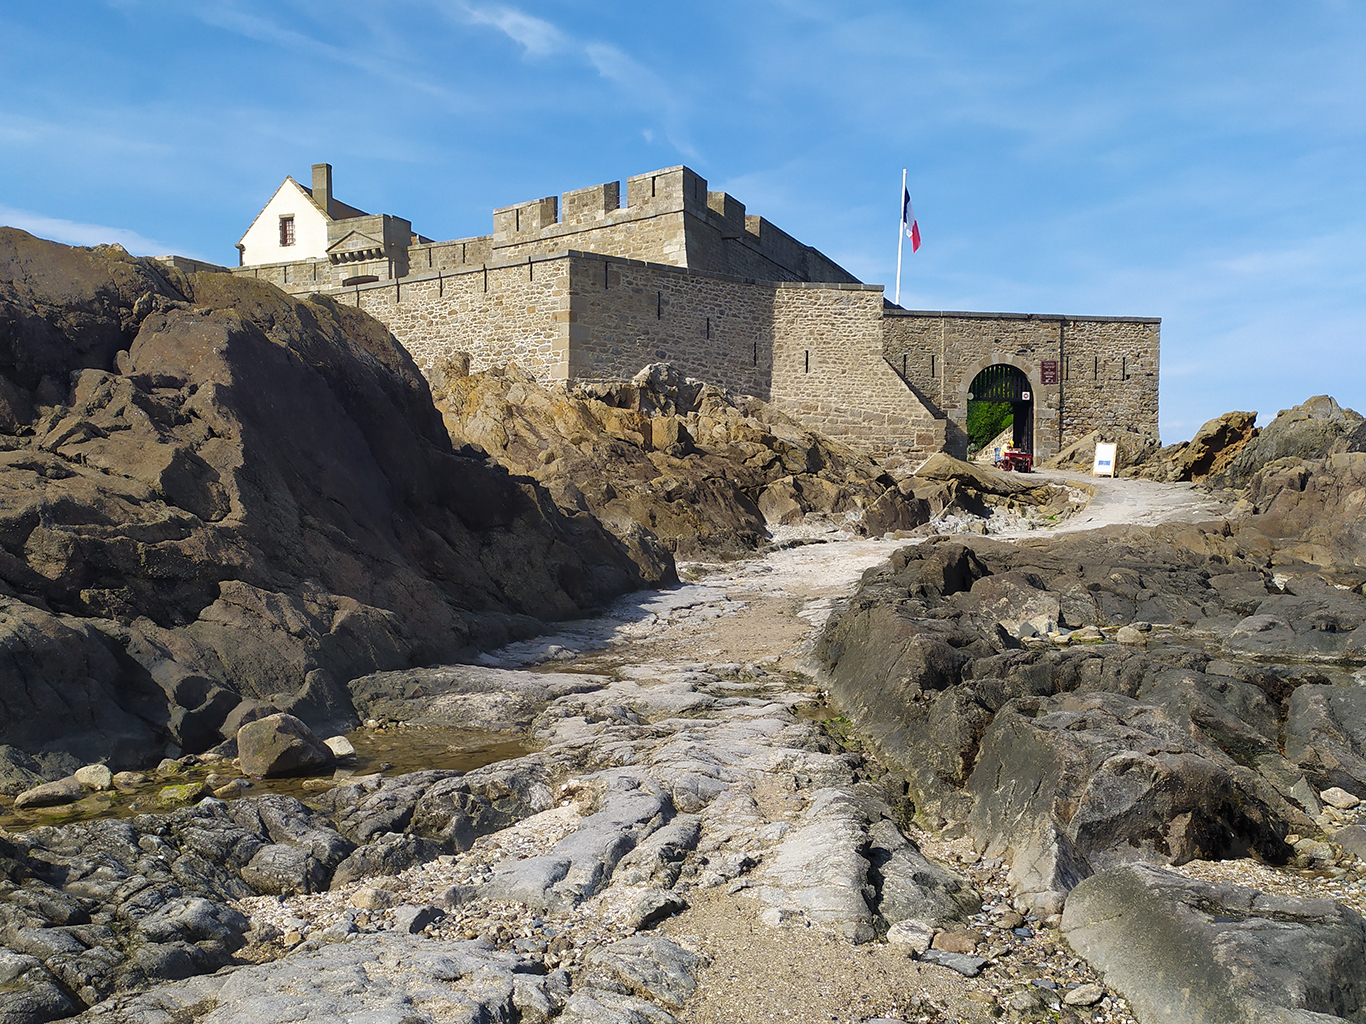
{"x": 453, "y": 255}
{"x": 297, "y": 278}
{"x": 1110, "y": 377}
{"x": 628, "y": 314}
{"x": 815, "y": 351}
{"x": 657, "y": 237}
{"x": 828, "y": 370}
{"x": 511, "y": 312}
{"x": 939, "y": 354}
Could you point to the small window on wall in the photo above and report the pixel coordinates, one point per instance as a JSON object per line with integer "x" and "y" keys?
{"x": 287, "y": 230}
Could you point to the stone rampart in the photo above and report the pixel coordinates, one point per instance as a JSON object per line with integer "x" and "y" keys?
{"x": 813, "y": 350}
{"x": 497, "y": 313}
{"x": 587, "y": 286}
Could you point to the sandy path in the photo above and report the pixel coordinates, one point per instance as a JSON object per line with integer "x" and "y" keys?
{"x": 768, "y": 610}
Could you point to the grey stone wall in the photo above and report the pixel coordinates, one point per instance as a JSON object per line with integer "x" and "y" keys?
{"x": 829, "y": 370}
{"x": 498, "y": 313}
{"x": 1107, "y": 368}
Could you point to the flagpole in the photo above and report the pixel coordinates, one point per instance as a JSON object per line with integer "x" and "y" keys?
{"x": 900, "y": 236}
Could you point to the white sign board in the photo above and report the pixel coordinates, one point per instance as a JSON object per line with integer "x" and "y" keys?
{"x": 1105, "y": 460}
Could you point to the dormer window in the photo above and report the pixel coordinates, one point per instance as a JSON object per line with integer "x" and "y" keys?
{"x": 287, "y": 230}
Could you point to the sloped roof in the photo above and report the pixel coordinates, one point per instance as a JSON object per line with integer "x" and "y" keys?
{"x": 343, "y": 210}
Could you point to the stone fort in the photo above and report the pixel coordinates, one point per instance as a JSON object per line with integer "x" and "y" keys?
{"x": 586, "y": 286}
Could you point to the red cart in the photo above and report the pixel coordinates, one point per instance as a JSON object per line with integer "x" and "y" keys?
{"x": 1016, "y": 462}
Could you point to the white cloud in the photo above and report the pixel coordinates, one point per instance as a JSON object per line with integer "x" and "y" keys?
{"x": 75, "y": 233}
{"x": 538, "y": 37}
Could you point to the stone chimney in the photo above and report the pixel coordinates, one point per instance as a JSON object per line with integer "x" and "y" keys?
{"x": 322, "y": 187}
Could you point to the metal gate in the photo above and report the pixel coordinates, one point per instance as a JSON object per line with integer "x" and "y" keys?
{"x": 1005, "y": 383}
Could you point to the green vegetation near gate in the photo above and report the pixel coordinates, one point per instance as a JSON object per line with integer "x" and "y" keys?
{"x": 986, "y": 420}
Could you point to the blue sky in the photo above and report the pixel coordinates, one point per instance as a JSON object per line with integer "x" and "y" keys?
{"x": 1198, "y": 161}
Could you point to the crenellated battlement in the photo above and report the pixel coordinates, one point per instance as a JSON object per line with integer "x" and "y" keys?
{"x": 669, "y": 217}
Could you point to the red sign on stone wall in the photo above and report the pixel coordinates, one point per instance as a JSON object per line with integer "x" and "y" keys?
{"x": 1048, "y": 371}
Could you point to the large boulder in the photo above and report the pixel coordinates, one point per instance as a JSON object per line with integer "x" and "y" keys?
{"x": 211, "y": 491}
{"x": 278, "y": 745}
{"x": 1210, "y": 452}
{"x": 1191, "y": 952}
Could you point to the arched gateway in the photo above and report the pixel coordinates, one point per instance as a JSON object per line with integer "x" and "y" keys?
{"x": 1002, "y": 384}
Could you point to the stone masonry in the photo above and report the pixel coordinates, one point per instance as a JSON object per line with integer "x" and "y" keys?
{"x": 586, "y": 287}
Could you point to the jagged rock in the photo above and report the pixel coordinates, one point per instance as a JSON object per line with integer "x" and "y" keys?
{"x": 694, "y": 470}
{"x": 1325, "y": 734}
{"x": 390, "y": 854}
{"x": 257, "y": 501}
{"x": 1311, "y": 510}
{"x": 1194, "y": 952}
{"x": 278, "y": 745}
{"x": 28, "y": 992}
{"x": 1314, "y": 429}
{"x": 1068, "y": 785}
{"x": 1160, "y": 753}
{"x": 649, "y": 966}
{"x": 913, "y": 890}
{"x": 1210, "y": 452}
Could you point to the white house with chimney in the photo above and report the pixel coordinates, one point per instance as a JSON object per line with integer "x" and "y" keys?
{"x": 300, "y": 224}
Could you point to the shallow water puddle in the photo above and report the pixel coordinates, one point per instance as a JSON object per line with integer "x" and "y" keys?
{"x": 388, "y": 751}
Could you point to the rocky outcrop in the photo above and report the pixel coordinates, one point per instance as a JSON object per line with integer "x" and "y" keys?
{"x": 211, "y": 492}
{"x": 1193, "y": 952}
{"x": 664, "y": 460}
{"x": 1311, "y": 510}
{"x": 988, "y": 674}
{"x": 1314, "y": 429}
{"x": 628, "y": 804}
{"x": 1213, "y": 449}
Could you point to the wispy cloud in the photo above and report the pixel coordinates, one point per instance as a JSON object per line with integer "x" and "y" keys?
{"x": 75, "y": 233}
{"x": 538, "y": 37}
{"x": 639, "y": 86}
{"x": 232, "y": 18}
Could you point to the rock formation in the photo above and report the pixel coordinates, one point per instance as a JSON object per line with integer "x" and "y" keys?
{"x": 1097, "y": 706}
{"x": 211, "y": 492}
{"x": 670, "y": 463}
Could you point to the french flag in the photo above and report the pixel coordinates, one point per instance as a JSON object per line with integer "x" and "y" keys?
{"x": 908, "y": 221}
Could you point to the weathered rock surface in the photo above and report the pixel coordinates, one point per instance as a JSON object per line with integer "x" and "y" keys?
{"x": 1074, "y": 754}
{"x": 670, "y": 464}
{"x": 212, "y": 492}
{"x": 1314, "y": 429}
{"x": 1193, "y": 952}
{"x": 1213, "y": 449}
{"x": 671, "y": 781}
{"x": 278, "y": 745}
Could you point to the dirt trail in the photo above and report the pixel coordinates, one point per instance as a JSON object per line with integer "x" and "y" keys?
{"x": 767, "y": 610}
